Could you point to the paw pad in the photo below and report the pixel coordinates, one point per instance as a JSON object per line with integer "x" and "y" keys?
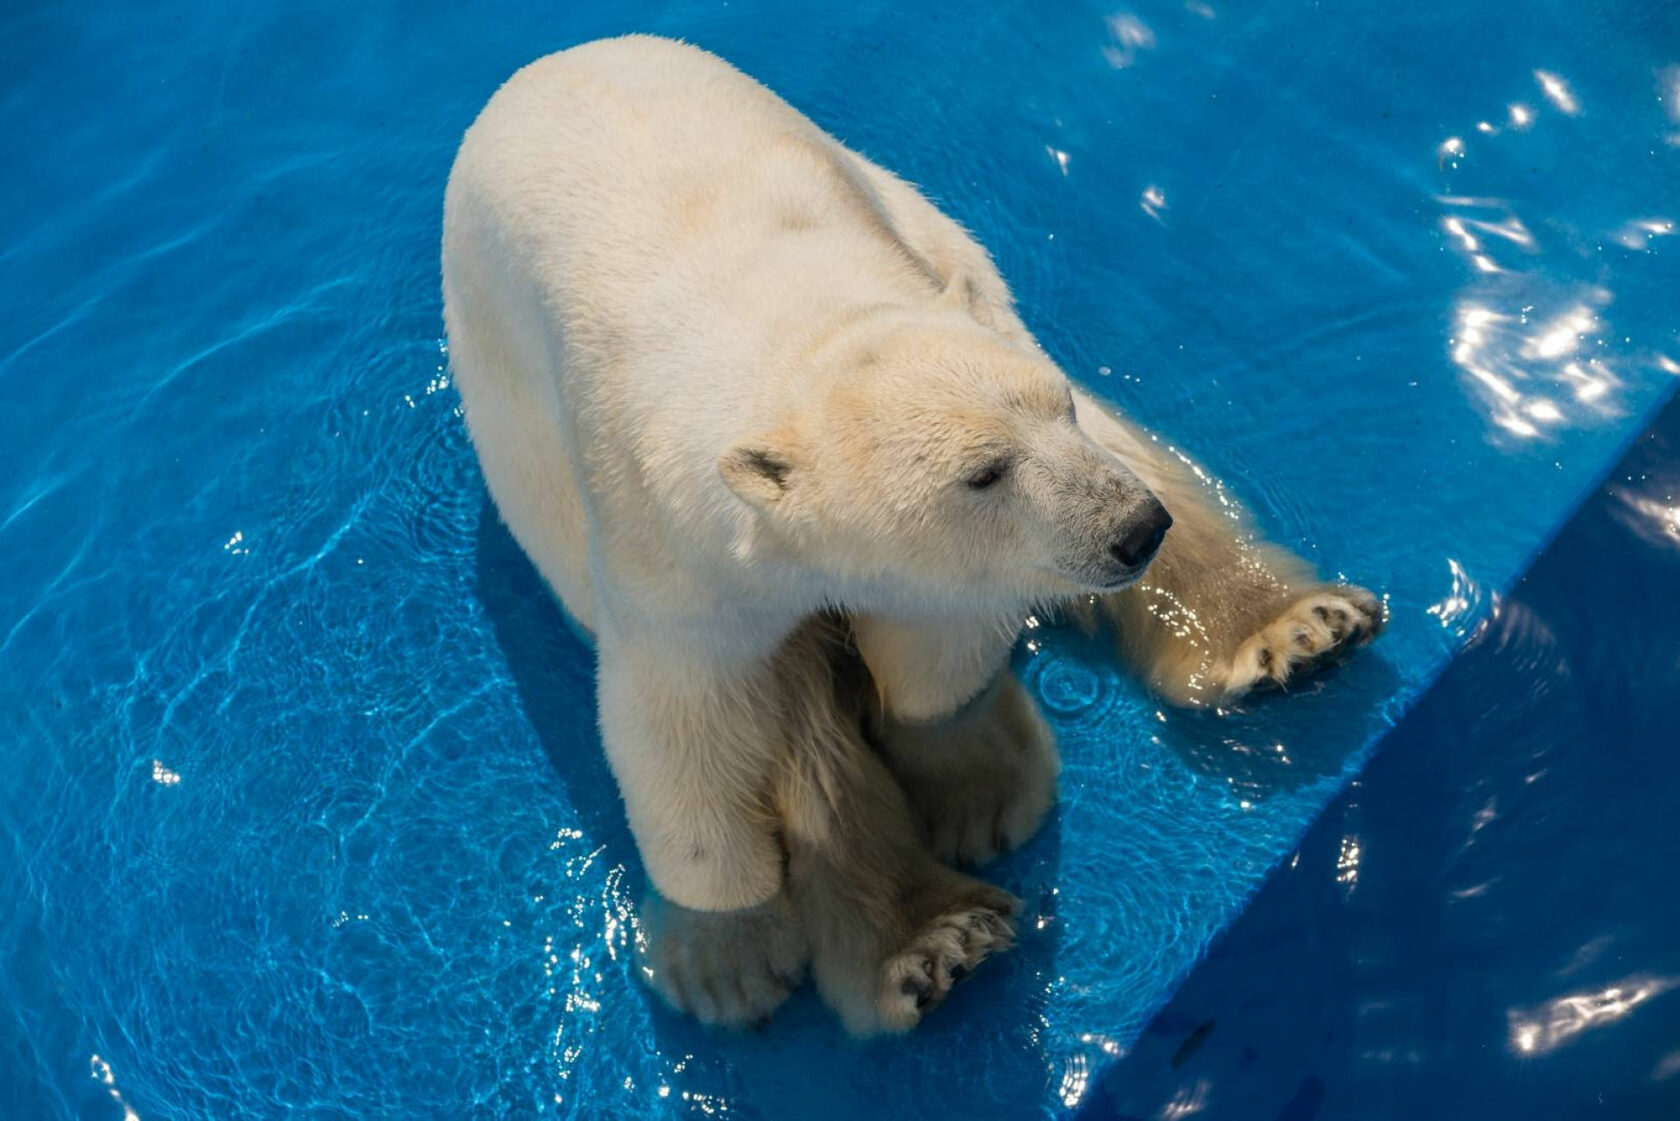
{"x": 1311, "y": 632}
{"x": 942, "y": 953}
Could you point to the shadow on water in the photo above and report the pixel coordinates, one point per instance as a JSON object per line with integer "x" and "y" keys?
{"x": 1501, "y": 930}
{"x": 554, "y": 675}
{"x": 1000, "y": 1012}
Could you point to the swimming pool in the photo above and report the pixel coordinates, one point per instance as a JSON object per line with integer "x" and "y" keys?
{"x": 303, "y": 808}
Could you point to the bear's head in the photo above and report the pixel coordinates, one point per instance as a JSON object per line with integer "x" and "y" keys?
{"x": 930, "y": 458}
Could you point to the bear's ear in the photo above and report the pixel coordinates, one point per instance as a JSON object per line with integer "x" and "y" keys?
{"x": 963, "y": 294}
{"x": 760, "y": 470}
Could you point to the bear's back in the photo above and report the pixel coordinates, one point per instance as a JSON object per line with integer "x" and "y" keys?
{"x": 657, "y": 174}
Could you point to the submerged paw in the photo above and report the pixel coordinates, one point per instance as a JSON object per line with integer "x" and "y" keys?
{"x": 730, "y": 968}
{"x": 982, "y": 786}
{"x": 976, "y": 825}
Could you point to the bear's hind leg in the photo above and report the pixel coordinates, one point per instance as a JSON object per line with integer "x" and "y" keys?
{"x": 890, "y": 928}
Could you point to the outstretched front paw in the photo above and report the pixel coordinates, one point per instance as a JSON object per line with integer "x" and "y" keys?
{"x": 1313, "y": 631}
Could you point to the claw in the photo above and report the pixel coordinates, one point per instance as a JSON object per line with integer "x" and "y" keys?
{"x": 919, "y": 987}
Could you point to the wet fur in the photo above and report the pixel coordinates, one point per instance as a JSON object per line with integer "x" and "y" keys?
{"x": 1220, "y": 611}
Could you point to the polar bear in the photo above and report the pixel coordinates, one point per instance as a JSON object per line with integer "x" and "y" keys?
{"x": 729, "y": 382}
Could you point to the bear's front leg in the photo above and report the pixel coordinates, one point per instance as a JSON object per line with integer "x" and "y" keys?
{"x": 1220, "y": 611}
{"x": 961, "y": 735}
{"x": 692, "y": 738}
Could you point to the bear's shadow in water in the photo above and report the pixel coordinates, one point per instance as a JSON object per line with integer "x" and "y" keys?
{"x": 998, "y": 1013}
{"x": 553, "y": 671}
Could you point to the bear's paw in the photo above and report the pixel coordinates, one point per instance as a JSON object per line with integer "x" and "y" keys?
{"x": 1312, "y": 632}
{"x": 949, "y": 947}
{"x": 728, "y": 968}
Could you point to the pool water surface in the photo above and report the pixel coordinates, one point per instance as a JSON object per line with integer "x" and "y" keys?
{"x": 303, "y": 809}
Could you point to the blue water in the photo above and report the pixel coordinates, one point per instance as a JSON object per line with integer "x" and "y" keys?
{"x": 302, "y": 808}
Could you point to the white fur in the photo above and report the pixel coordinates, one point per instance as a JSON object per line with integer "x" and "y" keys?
{"x": 722, "y": 373}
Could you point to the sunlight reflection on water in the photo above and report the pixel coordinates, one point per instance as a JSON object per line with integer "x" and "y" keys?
{"x": 1539, "y": 356}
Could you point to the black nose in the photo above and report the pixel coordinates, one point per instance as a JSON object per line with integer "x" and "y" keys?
{"x": 1143, "y": 536}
